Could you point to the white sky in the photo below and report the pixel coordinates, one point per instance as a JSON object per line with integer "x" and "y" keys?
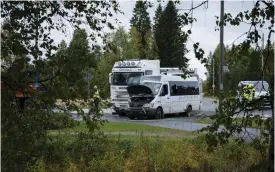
{"x": 203, "y": 31}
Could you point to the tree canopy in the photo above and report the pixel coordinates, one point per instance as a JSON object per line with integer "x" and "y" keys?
{"x": 170, "y": 39}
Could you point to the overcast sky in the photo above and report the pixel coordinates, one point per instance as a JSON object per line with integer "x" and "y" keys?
{"x": 203, "y": 31}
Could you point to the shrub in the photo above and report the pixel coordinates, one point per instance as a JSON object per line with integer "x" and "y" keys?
{"x": 60, "y": 121}
{"x": 97, "y": 153}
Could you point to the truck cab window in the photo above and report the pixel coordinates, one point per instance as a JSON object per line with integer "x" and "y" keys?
{"x": 126, "y": 78}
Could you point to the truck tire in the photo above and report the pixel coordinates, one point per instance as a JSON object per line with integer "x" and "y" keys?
{"x": 122, "y": 114}
{"x": 131, "y": 116}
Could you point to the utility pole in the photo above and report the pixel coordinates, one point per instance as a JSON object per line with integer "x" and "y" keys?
{"x": 89, "y": 78}
{"x": 263, "y": 55}
{"x": 213, "y": 84}
{"x": 221, "y": 52}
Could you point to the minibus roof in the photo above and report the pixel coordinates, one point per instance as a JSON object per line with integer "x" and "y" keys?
{"x": 165, "y": 78}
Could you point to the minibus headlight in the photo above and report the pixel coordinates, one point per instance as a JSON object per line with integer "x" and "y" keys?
{"x": 148, "y": 105}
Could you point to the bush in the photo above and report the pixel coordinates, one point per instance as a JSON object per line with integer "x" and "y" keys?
{"x": 60, "y": 121}
{"x": 97, "y": 153}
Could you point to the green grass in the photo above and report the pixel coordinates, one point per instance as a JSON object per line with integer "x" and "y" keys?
{"x": 129, "y": 127}
{"x": 210, "y": 121}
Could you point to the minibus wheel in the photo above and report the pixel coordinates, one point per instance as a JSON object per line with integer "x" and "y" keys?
{"x": 188, "y": 110}
{"x": 159, "y": 113}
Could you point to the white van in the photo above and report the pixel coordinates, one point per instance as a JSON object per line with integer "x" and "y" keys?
{"x": 261, "y": 91}
{"x": 158, "y": 95}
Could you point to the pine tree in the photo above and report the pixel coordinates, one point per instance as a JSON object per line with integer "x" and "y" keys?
{"x": 158, "y": 13}
{"x": 170, "y": 39}
{"x": 155, "y": 51}
{"x": 142, "y": 24}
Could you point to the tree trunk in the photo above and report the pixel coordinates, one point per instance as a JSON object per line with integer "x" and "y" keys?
{"x": 271, "y": 146}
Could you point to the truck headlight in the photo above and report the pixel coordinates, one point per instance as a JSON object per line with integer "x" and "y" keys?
{"x": 148, "y": 105}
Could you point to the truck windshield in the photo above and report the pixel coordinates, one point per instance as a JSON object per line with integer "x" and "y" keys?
{"x": 126, "y": 78}
{"x": 153, "y": 86}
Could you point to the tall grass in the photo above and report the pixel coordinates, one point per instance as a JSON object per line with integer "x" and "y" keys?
{"x": 158, "y": 154}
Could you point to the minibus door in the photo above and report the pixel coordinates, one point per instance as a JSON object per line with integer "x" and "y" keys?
{"x": 165, "y": 100}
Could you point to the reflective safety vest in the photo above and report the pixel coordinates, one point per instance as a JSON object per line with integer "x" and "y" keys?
{"x": 96, "y": 95}
{"x": 248, "y": 92}
{"x": 245, "y": 92}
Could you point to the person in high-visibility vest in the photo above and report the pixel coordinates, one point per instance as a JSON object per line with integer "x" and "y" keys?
{"x": 96, "y": 97}
{"x": 249, "y": 92}
{"x": 251, "y": 95}
{"x": 245, "y": 93}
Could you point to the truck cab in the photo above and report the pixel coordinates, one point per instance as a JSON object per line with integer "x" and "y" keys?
{"x": 128, "y": 72}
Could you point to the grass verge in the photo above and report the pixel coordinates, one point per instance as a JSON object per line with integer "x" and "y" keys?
{"x": 239, "y": 121}
{"x": 130, "y": 129}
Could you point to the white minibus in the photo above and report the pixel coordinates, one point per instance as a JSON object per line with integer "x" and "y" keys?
{"x": 158, "y": 95}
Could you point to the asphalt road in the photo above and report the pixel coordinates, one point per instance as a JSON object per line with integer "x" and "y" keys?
{"x": 183, "y": 122}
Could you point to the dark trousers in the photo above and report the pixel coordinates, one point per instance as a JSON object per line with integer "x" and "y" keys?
{"x": 96, "y": 103}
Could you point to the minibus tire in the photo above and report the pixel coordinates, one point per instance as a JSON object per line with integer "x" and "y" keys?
{"x": 159, "y": 113}
{"x": 189, "y": 108}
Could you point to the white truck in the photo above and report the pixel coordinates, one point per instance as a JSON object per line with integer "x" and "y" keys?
{"x": 158, "y": 95}
{"x": 129, "y": 72}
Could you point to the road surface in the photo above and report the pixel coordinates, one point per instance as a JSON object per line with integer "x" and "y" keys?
{"x": 181, "y": 122}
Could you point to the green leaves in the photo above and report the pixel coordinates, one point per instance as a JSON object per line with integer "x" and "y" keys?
{"x": 141, "y": 23}
{"x": 32, "y": 18}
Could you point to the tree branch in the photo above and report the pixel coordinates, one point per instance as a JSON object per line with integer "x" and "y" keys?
{"x": 195, "y": 6}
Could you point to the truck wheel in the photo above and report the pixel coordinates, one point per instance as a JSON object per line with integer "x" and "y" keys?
{"x": 158, "y": 113}
{"x": 122, "y": 114}
{"x": 131, "y": 116}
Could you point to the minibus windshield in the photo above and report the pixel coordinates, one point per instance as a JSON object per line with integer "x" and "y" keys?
{"x": 153, "y": 86}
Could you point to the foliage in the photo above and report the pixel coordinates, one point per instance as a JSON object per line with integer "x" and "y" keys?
{"x": 35, "y": 20}
{"x": 119, "y": 47}
{"x": 150, "y": 154}
{"x": 141, "y": 29}
{"x": 60, "y": 121}
{"x": 74, "y": 61}
{"x": 169, "y": 38}
{"x": 26, "y": 34}
{"x": 158, "y": 13}
{"x": 259, "y": 17}
{"x": 243, "y": 64}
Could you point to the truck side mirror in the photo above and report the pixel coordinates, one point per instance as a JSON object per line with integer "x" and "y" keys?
{"x": 110, "y": 78}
